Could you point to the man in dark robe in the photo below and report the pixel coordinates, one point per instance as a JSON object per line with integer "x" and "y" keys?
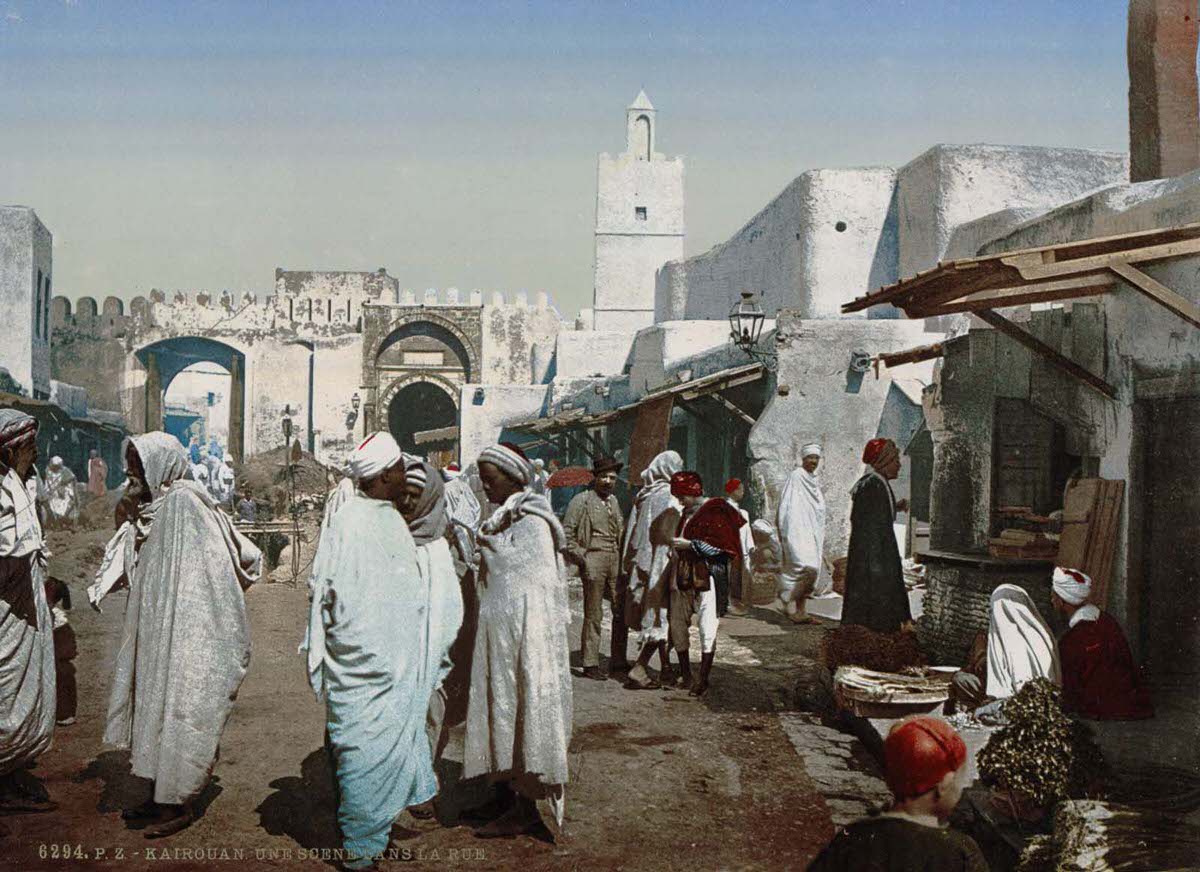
{"x": 875, "y": 594}
{"x": 1099, "y": 679}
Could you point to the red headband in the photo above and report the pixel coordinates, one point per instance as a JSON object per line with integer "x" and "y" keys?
{"x": 686, "y": 484}
{"x": 732, "y": 485}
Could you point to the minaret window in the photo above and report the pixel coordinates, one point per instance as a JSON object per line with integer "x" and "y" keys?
{"x": 639, "y": 212}
{"x": 641, "y": 137}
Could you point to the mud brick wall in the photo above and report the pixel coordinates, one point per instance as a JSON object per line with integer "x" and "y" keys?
{"x": 956, "y": 604}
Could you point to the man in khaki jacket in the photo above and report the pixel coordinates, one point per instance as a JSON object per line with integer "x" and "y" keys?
{"x": 594, "y": 533}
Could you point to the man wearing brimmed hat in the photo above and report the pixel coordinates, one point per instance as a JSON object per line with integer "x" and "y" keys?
{"x": 594, "y": 531}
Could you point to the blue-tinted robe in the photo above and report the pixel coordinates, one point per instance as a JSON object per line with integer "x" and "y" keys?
{"x": 367, "y": 628}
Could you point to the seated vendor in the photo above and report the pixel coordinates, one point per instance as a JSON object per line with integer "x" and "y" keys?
{"x": 926, "y": 762}
{"x": 1020, "y": 647}
{"x": 1100, "y": 680}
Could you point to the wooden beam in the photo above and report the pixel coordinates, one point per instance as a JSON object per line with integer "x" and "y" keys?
{"x": 912, "y": 355}
{"x": 1070, "y": 367}
{"x": 1160, "y": 293}
{"x": 1045, "y": 292}
{"x": 734, "y": 409}
{"x": 1033, "y": 271}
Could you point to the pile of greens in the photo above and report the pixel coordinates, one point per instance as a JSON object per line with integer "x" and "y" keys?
{"x": 1041, "y": 755}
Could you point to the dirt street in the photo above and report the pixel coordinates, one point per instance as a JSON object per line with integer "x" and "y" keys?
{"x": 659, "y": 780}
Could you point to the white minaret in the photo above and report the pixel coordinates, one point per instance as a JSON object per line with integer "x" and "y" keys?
{"x": 639, "y": 222}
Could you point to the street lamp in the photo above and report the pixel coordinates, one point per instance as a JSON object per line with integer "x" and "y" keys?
{"x": 355, "y": 401}
{"x": 746, "y": 320}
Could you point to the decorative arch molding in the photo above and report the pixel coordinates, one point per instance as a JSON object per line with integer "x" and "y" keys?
{"x": 401, "y": 382}
{"x": 407, "y": 325}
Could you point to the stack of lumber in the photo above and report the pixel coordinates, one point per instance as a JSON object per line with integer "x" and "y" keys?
{"x": 1091, "y": 835}
{"x": 1022, "y": 544}
{"x": 1091, "y": 521}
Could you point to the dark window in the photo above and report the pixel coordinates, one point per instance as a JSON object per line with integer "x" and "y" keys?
{"x": 46, "y": 310}
{"x": 37, "y": 307}
{"x": 840, "y": 227}
{"x": 639, "y": 212}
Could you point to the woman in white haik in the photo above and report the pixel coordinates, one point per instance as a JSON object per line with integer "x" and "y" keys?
{"x": 802, "y": 534}
{"x": 520, "y": 706}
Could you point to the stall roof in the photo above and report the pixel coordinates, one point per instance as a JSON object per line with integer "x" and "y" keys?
{"x": 441, "y": 434}
{"x": 573, "y": 419}
{"x": 1051, "y": 273}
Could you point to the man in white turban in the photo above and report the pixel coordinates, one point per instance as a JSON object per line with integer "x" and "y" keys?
{"x": 1099, "y": 678}
{"x": 801, "y": 525}
{"x": 368, "y": 658}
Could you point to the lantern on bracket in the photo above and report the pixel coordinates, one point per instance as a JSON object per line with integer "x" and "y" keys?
{"x": 746, "y": 320}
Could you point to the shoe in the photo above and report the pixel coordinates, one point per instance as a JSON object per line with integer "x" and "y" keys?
{"x": 423, "y": 811}
{"x": 685, "y": 669}
{"x": 520, "y": 819}
{"x": 26, "y": 805}
{"x": 65, "y": 722}
{"x": 174, "y": 823}
{"x": 639, "y": 679}
{"x": 701, "y": 686}
{"x": 667, "y": 677}
{"x": 594, "y": 673}
{"x": 148, "y": 810}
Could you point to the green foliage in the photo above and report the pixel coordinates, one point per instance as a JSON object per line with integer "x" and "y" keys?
{"x": 1041, "y": 754}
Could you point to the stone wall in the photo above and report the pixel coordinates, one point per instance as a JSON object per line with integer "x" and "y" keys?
{"x": 585, "y": 353}
{"x": 828, "y": 237}
{"x": 950, "y": 185}
{"x": 956, "y": 604}
{"x": 26, "y": 258}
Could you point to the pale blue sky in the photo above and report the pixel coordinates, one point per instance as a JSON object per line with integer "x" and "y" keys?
{"x": 202, "y": 144}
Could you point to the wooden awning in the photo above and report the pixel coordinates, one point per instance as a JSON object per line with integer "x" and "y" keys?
{"x": 442, "y": 434}
{"x": 1051, "y": 273}
{"x": 709, "y": 385}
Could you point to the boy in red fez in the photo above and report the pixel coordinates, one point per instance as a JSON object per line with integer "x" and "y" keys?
{"x": 926, "y": 767}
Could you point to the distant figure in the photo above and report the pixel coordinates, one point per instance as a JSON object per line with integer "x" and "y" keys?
{"x": 61, "y": 496}
{"x": 926, "y": 763}
{"x": 27, "y": 687}
{"x": 876, "y": 597}
{"x": 225, "y": 481}
{"x": 247, "y": 509}
{"x": 801, "y": 525}
{"x": 200, "y": 475}
{"x": 194, "y": 453}
{"x": 187, "y": 569}
{"x": 97, "y": 474}
{"x": 1099, "y": 678}
{"x": 58, "y": 595}
{"x": 540, "y": 476}
{"x": 594, "y": 529}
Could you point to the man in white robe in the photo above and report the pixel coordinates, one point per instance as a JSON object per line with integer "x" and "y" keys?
{"x": 370, "y": 662}
{"x": 801, "y": 525}
{"x": 27, "y": 676}
{"x": 60, "y": 494}
{"x": 185, "y": 643}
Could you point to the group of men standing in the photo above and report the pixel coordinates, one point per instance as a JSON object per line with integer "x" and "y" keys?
{"x": 425, "y": 614}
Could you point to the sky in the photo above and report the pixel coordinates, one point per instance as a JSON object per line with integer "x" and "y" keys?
{"x": 200, "y": 145}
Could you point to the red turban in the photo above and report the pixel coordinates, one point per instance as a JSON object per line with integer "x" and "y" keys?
{"x": 686, "y": 484}
{"x": 717, "y": 523}
{"x": 918, "y": 753}
{"x": 732, "y": 485}
{"x": 879, "y": 451}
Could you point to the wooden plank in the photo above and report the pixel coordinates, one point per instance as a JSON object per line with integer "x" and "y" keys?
{"x": 912, "y": 355}
{"x": 1109, "y": 541}
{"x": 1077, "y": 512}
{"x": 1036, "y": 271}
{"x": 1046, "y": 292}
{"x": 1008, "y": 328}
{"x": 1170, "y": 387}
{"x": 734, "y": 409}
{"x": 1160, "y": 293}
{"x": 1087, "y": 339}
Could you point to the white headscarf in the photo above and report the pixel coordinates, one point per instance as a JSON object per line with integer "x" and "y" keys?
{"x": 812, "y": 449}
{"x": 801, "y": 521}
{"x": 652, "y": 500}
{"x": 374, "y": 455}
{"x": 1020, "y": 646}
{"x": 1071, "y": 585}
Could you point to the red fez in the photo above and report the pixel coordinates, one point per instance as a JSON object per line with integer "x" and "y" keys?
{"x": 686, "y": 484}
{"x": 732, "y": 485}
{"x": 876, "y": 450}
{"x": 453, "y": 467}
{"x": 918, "y": 753}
